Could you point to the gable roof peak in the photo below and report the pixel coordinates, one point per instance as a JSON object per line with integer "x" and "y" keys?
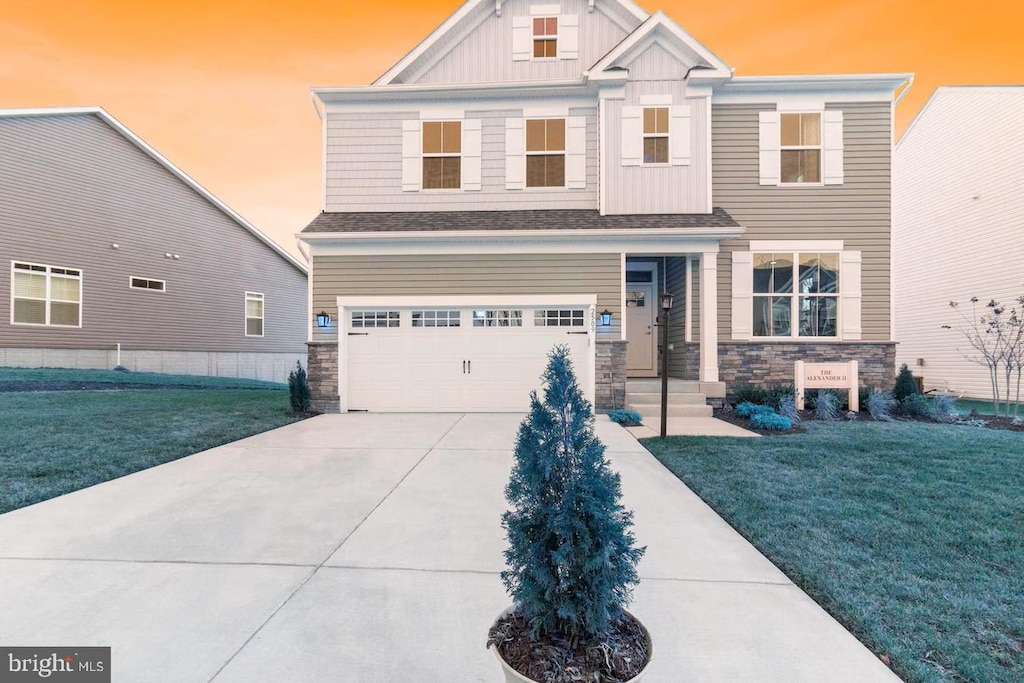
{"x": 655, "y": 26}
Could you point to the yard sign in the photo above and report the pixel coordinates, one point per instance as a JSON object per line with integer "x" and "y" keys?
{"x": 826, "y": 376}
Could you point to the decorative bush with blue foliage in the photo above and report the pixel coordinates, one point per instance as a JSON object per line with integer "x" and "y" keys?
{"x": 770, "y": 421}
{"x": 621, "y": 415}
{"x": 747, "y": 410}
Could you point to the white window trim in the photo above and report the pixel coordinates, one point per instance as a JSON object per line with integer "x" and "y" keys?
{"x": 546, "y": 12}
{"x": 666, "y": 134}
{"x": 794, "y": 304}
{"x": 799, "y": 148}
{"x": 48, "y": 300}
{"x": 263, "y": 318}
{"x": 547, "y": 152}
{"x": 163, "y": 284}
{"x": 439, "y": 155}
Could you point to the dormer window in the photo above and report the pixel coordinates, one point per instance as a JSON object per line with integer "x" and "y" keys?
{"x": 545, "y": 37}
{"x": 442, "y": 155}
{"x": 800, "y": 148}
{"x": 656, "y": 135}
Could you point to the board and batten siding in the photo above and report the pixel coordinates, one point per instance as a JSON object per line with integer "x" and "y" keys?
{"x": 661, "y": 188}
{"x": 468, "y": 274}
{"x": 364, "y": 167}
{"x": 71, "y": 187}
{"x": 485, "y": 55}
{"x": 958, "y": 212}
{"x": 858, "y": 212}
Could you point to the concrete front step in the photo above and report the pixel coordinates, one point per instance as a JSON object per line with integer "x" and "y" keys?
{"x": 650, "y": 413}
{"x": 673, "y": 399}
{"x": 680, "y": 386}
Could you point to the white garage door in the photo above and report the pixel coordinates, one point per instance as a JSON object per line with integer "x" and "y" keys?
{"x": 482, "y": 358}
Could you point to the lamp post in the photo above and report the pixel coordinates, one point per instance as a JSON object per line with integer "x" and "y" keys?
{"x": 666, "y": 306}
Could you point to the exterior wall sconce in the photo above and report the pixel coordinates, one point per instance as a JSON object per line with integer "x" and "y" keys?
{"x": 323, "y": 319}
{"x": 606, "y": 318}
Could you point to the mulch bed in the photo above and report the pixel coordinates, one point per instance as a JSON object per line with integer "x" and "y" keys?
{"x": 991, "y": 421}
{"x": 615, "y": 659}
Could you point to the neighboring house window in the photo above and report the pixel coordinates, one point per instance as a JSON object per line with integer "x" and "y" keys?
{"x": 795, "y": 294}
{"x": 800, "y": 146}
{"x": 147, "y": 284}
{"x": 545, "y": 152}
{"x": 46, "y": 295}
{"x": 545, "y": 37}
{"x": 253, "y": 314}
{"x": 656, "y": 135}
{"x": 442, "y": 150}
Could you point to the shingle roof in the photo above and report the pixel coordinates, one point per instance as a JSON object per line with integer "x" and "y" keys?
{"x": 552, "y": 219}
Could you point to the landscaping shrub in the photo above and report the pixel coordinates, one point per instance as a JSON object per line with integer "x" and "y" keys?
{"x": 571, "y": 556}
{"x": 914, "y": 405}
{"x": 879, "y": 405}
{"x": 774, "y": 393}
{"x": 787, "y": 407}
{"x": 747, "y": 409}
{"x": 748, "y": 393}
{"x": 943, "y": 407}
{"x": 621, "y": 415}
{"x": 298, "y": 390}
{"x": 906, "y": 385}
{"x": 863, "y": 394}
{"x": 772, "y": 421}
{"x": 826, "y": 405}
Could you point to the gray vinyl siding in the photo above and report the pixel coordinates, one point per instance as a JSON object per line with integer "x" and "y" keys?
{"x": 858, "y": 212}
{"x": 364, "y": 167}
{"x": 485, "y": 55}
{"x": 656, "y": 189}
{"x": 71, "y": 187}
{"x": 469, "y": 274}
{"x": 675, "y": 283}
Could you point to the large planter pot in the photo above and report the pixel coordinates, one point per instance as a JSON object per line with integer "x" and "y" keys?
{"x": 513, "y": 676}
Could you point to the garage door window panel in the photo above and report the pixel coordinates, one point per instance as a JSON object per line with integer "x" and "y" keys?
{"x": 498, "y": 318}
{"x": 438, "y": 318}
{"x": 375, "y": 319}
{"x": 559, "y": 318}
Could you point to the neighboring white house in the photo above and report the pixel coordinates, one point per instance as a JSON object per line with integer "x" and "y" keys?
{"x": 958, "y": 223}
{"x": 106, "y": 243}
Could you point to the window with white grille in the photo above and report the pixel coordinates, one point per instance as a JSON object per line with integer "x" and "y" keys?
{"x": 443, "y": 318}
{"x": 253, "y": 314}
{"x": 498, "y": 318}
{"x": 46, "y": 295}
{"x": 559, "y": 318}
{"x": 368, "y": 319}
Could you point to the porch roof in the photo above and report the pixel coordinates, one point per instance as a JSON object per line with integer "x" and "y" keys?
{"x": 550, "y": 219}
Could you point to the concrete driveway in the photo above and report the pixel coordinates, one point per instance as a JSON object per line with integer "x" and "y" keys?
{"x": 366, "y": 547}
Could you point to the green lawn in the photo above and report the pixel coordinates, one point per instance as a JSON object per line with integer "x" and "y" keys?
{"x": 910, "y": 534}
{"x": 30, "y": 375}
{"x": 59, "y": 441}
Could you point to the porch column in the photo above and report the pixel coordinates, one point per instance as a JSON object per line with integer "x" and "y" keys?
{"x": 709, "y": 316}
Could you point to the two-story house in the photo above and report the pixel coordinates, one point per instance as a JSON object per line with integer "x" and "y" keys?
{"x": 539, "y": 172}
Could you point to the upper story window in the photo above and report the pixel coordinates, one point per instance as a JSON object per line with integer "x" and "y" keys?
{"x": 795, "y": 294}
{"x": 545, "y": 152}
{"x": 545, "y": 37}
{"x": 253, "y": 314}
{"x": 656, "y": 135}
{"x": 46, "y": 295}
{"x": 442, "y": 155}
{"x": 800, "y": 146}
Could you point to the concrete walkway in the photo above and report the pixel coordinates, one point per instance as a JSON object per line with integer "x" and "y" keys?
{"x": 367, "y": 548}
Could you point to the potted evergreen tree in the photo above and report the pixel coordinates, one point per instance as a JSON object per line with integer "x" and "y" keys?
{"x": 571, "y": 556}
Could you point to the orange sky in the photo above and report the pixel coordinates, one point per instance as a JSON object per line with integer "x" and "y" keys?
{"x": 221, "y": 87}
